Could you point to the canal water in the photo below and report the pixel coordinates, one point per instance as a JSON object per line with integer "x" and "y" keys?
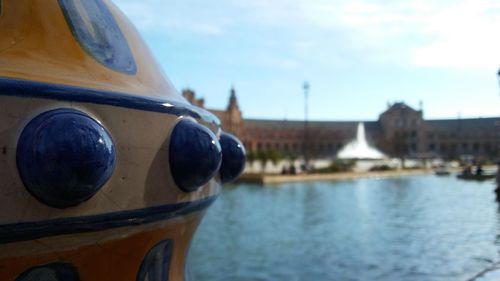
{"x": 409, "y": 228}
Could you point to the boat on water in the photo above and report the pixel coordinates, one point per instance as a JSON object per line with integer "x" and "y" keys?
{"x": 442, "y": 173}
{"x": 475, "y": 177}
{"x": 106, "y": 170}
{"x": 442, "y": 170}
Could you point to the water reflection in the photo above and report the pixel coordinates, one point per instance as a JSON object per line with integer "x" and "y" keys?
{"x": 497, "y": 194}
{"x": 414, "y": 228}
{"x": 497, "y": 199}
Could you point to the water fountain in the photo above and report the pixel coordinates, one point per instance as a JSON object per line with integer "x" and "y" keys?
{"x": 359, "y": 148}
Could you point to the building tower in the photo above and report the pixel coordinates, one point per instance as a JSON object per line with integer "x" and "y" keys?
{"x": 190, "y": 96}
{"x": 234, "y": 124}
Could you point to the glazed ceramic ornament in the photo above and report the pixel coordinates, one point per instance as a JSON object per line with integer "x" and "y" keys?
{"x": 105, "y": 170}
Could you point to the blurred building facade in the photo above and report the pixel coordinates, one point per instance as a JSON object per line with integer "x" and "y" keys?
{"x": 400, "y": 131}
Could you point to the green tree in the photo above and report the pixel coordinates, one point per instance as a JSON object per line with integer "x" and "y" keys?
{"x": 275, "y": 156}
{"x": 263, "y": 156}
{"x": 251, "y": 157}
{"x": 292, "y": 157}
{"x": 400, "y": 146}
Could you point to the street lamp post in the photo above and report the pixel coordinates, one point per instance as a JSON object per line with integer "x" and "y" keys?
{"x": 306, "y": 88}
{"x": 498, "y": 77}
{"x": 497, "y": 125}
{"x": 497, "y": 190}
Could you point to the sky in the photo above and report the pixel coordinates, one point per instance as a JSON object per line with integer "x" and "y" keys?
{"x": 358, "y": 56}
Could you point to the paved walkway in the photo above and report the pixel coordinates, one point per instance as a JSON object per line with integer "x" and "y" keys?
{"x": 269, "y": 179}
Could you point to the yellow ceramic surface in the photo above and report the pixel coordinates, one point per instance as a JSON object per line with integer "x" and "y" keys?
{"x": 78, "y": 67}
{"x": 37, "y": 44}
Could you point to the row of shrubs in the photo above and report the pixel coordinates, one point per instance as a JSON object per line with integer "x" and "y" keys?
{"x": 336, "y": 166}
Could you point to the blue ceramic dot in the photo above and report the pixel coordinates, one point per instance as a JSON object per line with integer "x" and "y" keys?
{"x": 64, "y": 157}
{"x": 233, "y": 158}
{"x": 195, "y": 155}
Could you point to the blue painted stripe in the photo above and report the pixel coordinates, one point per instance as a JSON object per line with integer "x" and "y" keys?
{"x": 57, "y": 271}
{"x": 33, "y": 230}
{"x": 41, "y": 90}
{"x": 156, "y": 264}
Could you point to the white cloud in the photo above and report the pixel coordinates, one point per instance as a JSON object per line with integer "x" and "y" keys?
{"x": 158, "y": 15}
{"x": 466, "y": 36}
{"x": 453, "y": 34}
{"x": 422, "y": 33}
{"x": 457, "y": 35}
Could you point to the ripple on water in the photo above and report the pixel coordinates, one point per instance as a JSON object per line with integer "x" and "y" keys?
{"x": 410, "y": 228}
